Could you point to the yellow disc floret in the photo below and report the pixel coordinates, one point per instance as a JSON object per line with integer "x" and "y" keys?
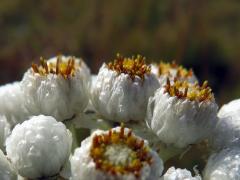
{"x": 66, "y": 68}
{"x": 193, "y": 92}
{"x": 132, "y": 153}
{"x": 181, "y": 72}
{"x": 133, "y": 66}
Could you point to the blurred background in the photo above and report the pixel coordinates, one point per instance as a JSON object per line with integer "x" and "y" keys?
{"x": 204, "y": 35}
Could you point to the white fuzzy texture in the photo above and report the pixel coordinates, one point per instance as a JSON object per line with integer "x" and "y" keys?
{"x": 55, "y": 96}
{"x": 223, "y": 166}
{"x": 7, "y": 172}
{"x": 84, "y": 168}
{"x": 39, "y": 147}
{"x": 227, "y": 132}
{"x": 4, "y": 131}
{"x": 119, "y": 98}
{"x": 173, "y": 73}
{"x": 179, "y": 174}
{"x": 180, "y": 122}
{"x": 12, "y": 103}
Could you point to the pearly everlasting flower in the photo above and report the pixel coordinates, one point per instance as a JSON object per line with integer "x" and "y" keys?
{"x": 227, "y": 132}
{"x": 182, "y": 113}
{"x": 172, "y": 71}
{"x": 179, "y": 174}
{"x": 7, "y": 172}
{"x": 58, "y": 87}
{"x": 39, "y": 147}
{"x": 223, "y": 166}
{"x": 12, "y": 103}
{"x": 122, "y": 89}
{"x": 4, "y": 131}
{"x": 115, "y": 154}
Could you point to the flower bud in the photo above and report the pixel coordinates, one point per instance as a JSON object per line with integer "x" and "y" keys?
{"x": 39, "y": 147}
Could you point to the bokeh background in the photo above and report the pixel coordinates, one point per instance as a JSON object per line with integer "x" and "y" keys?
{"x": 204, "y": 35}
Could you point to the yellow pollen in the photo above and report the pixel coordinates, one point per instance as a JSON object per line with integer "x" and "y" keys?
{"x": 133, "y": 66}
{"x": 181, "y": 72}
{"x": 193, "y": 92}
{"x": 64, "y": 68}
{"x": 134, "y": 156}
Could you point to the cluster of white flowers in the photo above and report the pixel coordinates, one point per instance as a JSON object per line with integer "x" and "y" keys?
{"x": 61, "y": 122}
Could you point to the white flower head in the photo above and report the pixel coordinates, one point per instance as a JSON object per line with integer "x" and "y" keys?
{"x": 58, "y": 87}
{"x": 122, "y": 89}
{"x": 182, "y": 113}
{"x": 227, "y": 131}
{"x": 224, "y": 165}
{"x": 172, "y": 71}
{"x": 115, "y": 154}
{"x": 12, "y": 103}
{"x": 179, "y": 174}
{"x": 5, "y": 131}
{"x": 7, "y": 172}
{"x": 39, "y": 147}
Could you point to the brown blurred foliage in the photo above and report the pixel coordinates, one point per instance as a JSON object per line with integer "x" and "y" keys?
{"x": 203, "y": 34}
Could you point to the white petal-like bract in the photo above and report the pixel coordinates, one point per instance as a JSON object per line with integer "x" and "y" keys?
{"x": 227, "y": 132}
{"x": 4, "y": 131}
{"x": 7, "y": 172}
{"x": 12, "y": 103}
{"x": 179, "y": 174}
{"x": 39, "y": 147}
{"x": 223, "y": 166}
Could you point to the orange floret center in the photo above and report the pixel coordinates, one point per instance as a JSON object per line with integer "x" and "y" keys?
{"x": 181, "y": 72}
{"x": 133, "y": 66}
{"x": 137, "y": 157}
{"x": 65, "y": 68}
{"x": 193, "y": 92}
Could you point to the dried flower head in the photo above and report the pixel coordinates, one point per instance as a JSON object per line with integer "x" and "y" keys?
{"x": 193, "y": 92}
{"x": 133, "y": 66}
{"x": 136, "y": 153}
{"x": 65, "y": 68}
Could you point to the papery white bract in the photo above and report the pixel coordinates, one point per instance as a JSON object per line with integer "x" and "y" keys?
{"x": 4, "y": 131}
{"x": 59, "y": 87}
{"x": 12, "y": 103}
{"x": 7, "y": 172}
{"x": 181, "y": 118}
{"x": 115, "y": 158}
{"x": 39, "y": 147}
{"x": 224, "y": 165}
{"x": 227, "y": 132}
{"x": 120, "y": 96}
{"x": 179, "y": 174}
